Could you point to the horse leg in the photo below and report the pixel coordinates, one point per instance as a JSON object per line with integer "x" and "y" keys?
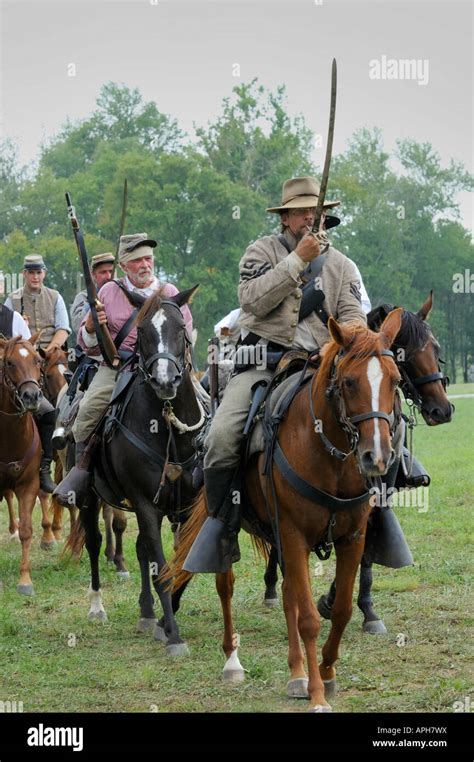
{"x": 348, "y": 559}
{"x": 48, "y": 540}
{"x": 57, "y": 524}
{"x": 107, "y": 512}
{"x": 372, "y": 623}
{"x": 147, "y": 615}
{"x": 271, "y": 578}
{"x": 302, "y": 621}
{"x": 150, "y": 527}
{"x": 233, "y": 670}
{"x": 26, "y": 497}
{"x": 119, "y": 525}
{"x": 12, "y": 522}
{"x": 90, "y": 522}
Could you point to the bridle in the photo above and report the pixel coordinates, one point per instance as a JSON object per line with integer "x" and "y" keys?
{"x": 14, "y": 389}
{"x": 347, "y": 423}
{"x": 145, "y": 366}
{"x": 410, "y": 385}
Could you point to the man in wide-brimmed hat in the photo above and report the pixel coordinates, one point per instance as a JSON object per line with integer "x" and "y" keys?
{"x": 136, "y": 259}
{"x": 272, "y": 273}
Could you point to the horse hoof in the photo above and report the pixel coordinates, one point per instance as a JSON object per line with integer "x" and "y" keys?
{"x": 97, "y": 616}
{"x": 145, "y": 625}
{"x": 320, "y": 708}
{"x": 123, "y": 574}
{"x": 297, "y": 688}
{"x": 159, "y": 633}
{"x": 330, "y": 688}
{"x": 25, "y": 589}
{"x": 271, "y": 603}
{"x": 375, "y": 627}
{"x": 48, "y": 544}
{"x": 233, "y": 675}
{"x": 324, "y": 608}
{"x": 177, "y": 650}
{"x": 15, "y": 536}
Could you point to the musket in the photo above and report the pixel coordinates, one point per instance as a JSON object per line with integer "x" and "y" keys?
{"x": 104, "y": 339}
{"x": 213, "y": 370}
{"x": 327, "y": 160}
{"x": 122, "y": 221}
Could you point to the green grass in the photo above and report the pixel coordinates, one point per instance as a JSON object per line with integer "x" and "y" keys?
{"x": 113, "y": 668}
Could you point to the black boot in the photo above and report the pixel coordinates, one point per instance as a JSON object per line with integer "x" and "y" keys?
{"x": 45, "y": 422}
{"x": 216, "y": 547}
{"x": 418, "y": 476}
{"x": 75, "y": 486}
{"x": 385, "y": 543}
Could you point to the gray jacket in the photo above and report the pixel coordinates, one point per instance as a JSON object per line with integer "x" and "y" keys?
{"x": 270, "y": 294}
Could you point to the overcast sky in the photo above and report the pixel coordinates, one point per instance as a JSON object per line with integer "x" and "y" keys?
{"x": 181, "y": 55}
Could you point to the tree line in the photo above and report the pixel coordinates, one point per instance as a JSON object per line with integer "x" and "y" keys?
{"x": 204, "y": 202}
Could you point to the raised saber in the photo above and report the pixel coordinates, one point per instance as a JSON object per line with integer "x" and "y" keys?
{"x": 327, "y": 160}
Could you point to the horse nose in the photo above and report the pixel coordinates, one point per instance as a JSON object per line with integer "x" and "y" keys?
{"x": 442, "y": 415}
{"x": 31, "y": 397}
{"x": 372, "y": 464}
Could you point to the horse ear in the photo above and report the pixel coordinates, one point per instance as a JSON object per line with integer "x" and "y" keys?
{"x": 34, "y": 338}
{"x": 3, "y": 341}
{"x": 391, "y": 326}
{"x": 185, "y": 297}
{"x": 137, "y": 300}
{"x": 376, "y": 316}
{"x": 340, "y": 333}
{"x": 427, "y": 307}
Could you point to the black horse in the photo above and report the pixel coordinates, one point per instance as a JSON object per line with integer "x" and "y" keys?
{"x": 416, "y": 352}
{"x": 141, "y": 464}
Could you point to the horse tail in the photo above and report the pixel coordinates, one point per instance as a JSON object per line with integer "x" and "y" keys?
{"x": 77, "y": 539}
{"x": 261, "y": 547}
{"x": 55, "y": 509}
{"x": 173, "y": 573}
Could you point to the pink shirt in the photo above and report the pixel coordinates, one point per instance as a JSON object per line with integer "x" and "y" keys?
{"x": 118, "y": 309}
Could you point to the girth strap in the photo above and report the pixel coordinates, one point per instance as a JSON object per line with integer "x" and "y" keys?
{"x": 313, "y": 493}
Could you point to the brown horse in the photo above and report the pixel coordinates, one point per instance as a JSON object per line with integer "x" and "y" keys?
{"x": 20, "y": 446}
{"x": 350, "y": 397}
{"x": 53, "y": 379}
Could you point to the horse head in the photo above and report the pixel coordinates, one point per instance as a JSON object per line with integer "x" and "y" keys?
{"x": 416, "y": 353}
{"x": 363, "y": 379}
{"x": 54, "y": 370}
{"x": 20, "y": 373}
{"x": 163, "y": 342}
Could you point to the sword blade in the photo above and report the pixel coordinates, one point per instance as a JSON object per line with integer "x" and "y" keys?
{"x": 327, "y": 160}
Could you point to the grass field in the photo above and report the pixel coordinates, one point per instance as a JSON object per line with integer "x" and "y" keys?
{"x": 53, "y": 659}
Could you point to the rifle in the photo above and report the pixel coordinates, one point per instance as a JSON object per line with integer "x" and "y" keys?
{"x": 213, "y": 354}
{"x": 104, "y": 339}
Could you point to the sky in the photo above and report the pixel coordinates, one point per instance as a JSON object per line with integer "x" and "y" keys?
{"x": 183, "y": 55}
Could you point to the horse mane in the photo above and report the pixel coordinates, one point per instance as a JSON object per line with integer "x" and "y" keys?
{"x": 152, "y": 305}
{"x": 364, "y": 342}
{"x": 414, "y": 332}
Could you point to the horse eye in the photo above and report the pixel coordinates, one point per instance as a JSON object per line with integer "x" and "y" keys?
{"x": 349, "y": 383}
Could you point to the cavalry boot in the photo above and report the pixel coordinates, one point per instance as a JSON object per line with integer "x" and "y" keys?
{"x": 75, "y": 486}
{"x": 418, "y": 476}
{"x": 385, "y": 543}
{"x": 45, "y": 422}
{"x": 216, "y": 547}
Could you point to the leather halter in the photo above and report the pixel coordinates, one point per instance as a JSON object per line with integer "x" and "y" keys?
{"x": 14, "y": 389}
{"x": 411, "y": 385}
{"x": 347, "y": 422}
{"x": 145, "y": 365}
